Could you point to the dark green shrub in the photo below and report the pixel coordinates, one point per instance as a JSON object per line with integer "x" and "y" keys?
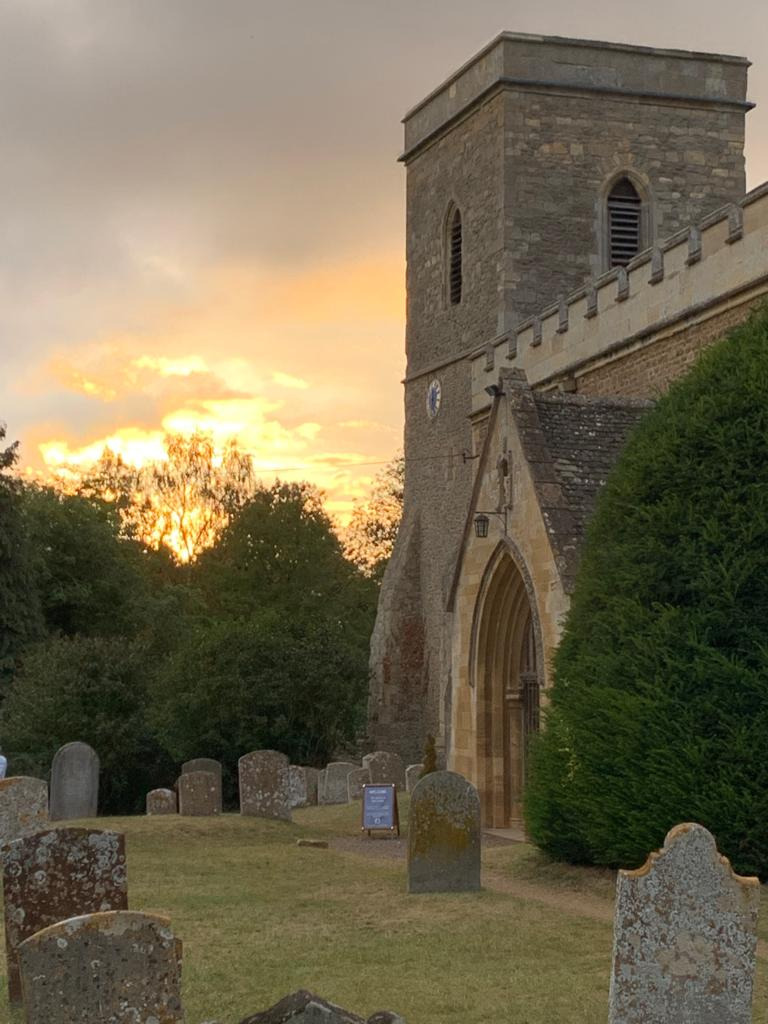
{"x": 659, "y": 707}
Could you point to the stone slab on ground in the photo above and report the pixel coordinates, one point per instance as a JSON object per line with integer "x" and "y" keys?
{"x": 335, "y": 782}
{"x": 74, "y": 782}
{"x": 315, "y": 844}
{"x": 356, "y": 779}
{"x": 385, "y": 768}
{"x": 118, "y": 967}
{"x": 162, "y": 801}
{"x": 304, "y": 1007}
{"x": 444, "y": 835}
{"x": 685, "y": 936}
{"x": 265, "y": 785}
{"x": 56, "y": 874}
{"x": 23, "y": 807}
{"x": 199, "y": 794}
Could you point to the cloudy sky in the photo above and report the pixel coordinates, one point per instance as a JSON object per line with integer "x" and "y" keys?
{"x": 201, "y": 213}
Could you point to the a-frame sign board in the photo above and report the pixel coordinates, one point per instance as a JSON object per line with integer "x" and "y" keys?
{"x": 380, "y": 813}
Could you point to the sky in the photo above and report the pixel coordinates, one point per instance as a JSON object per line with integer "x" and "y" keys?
{"x": 202, "y": 213}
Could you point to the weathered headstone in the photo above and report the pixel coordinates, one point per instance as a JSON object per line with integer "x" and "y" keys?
{"x": 685, "y": 936}
{"x": 74, "y": 782}
{"x": 206, "y": 764}
{"x": 356, "y": 779}
{"x": 23, "y": 807}
{"x": 199, "y": 794}
{"x": 412, "y": 776}
{"x": 444, "y": 835}
{"x": 162, "y": 801}
{"x": 265, "y": 785}
{"x": 303, "y": 785}
{"x": 119, "y": 967}
{"x": 335, "y": 787}
{"x": 304, "y": 1007}
{"x": 56, "y": 874}
{"x": 321, "y": 786}
{"x": 385, "y": 768}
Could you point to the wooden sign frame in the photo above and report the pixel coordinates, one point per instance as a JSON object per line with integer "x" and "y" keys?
{"x": 395, "y": 826}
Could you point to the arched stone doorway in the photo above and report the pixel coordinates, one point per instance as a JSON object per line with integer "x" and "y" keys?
{"x": 507, "y": 671}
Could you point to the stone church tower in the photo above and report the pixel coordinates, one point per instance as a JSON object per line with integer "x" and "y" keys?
{"x": 541, "y": 163}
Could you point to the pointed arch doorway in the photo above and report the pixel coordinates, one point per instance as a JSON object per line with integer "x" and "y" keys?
{"x": 507, "y": 665}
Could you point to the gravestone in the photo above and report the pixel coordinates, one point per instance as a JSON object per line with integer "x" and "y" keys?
{"x": 120, "y": 967}
{"x": 56, "y": 874}
{"x": 356, "y": 779}
{"x": 303, "y": 785}
{"x": 304, "y": 1007}
{"x": 74, "y": 782}
{"x": 444, "y": 835}
{"x": 23, "y": 807}
{"x": 199, "y": 794}
{"x": 412, "y": 776}
{"x": 385, "y": 768}
{"x": 206, "y": 764}
{"x": 321, "y": 786}
{"x": 335, "y": 787}
{"x": 162, "y": 801}
{"x": 685, "y": 936}
{"x": 265, "y": 785}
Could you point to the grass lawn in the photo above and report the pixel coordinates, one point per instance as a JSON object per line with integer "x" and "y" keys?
{"x": 261, "y": 917}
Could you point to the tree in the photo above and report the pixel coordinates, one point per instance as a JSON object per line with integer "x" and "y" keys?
{"x": 21, "y": 620}
{"x": 373, "y": 527}
{"x": 92, "y": 689}
{"x": 183, "y": 501}
{"x": 659, "y": 708}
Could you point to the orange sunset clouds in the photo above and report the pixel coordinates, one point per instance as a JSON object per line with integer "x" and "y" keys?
{"x": 202, "y": 215}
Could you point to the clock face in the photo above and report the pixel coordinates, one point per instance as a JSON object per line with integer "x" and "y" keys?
{"x": 434, "y": 394}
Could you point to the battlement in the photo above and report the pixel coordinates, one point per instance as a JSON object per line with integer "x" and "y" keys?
{"x": 533, "y": 62}
{"x": 721, "y": 261}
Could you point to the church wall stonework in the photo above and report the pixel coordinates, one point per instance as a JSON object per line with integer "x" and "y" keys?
{"x": 525, "y": 141}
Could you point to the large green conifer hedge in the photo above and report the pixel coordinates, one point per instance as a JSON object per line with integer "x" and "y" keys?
{"x": 659, "y": 707}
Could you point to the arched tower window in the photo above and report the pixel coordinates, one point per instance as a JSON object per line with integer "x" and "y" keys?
{"x": 454, "y": 258}
{"x": 625, "y": 223}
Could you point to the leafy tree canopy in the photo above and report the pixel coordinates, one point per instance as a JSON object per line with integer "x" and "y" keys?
{"x": 372, "y": 530}
{"x": 659, "y": 708}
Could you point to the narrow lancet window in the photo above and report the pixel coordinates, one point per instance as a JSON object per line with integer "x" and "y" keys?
{"x": 454, "y": 258}
{"x": 624, "y": 223}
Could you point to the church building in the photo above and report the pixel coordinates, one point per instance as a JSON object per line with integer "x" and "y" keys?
{"x": 577, "y": 231}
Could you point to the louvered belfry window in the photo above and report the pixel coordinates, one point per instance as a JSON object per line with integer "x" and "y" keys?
{"x": 624, "y": 223}
{"x": 454, "y": 266}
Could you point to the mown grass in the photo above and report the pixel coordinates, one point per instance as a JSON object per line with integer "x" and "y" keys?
{"x": 261, "y": 917}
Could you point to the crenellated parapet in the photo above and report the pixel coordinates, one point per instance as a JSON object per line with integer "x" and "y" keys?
{"x": 693, "y": 275}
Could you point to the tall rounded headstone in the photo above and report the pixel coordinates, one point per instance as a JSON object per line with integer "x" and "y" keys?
{"x": 74, "y": 782}
{"x": 265, "y": 785}
{"x": 444, "y": 835}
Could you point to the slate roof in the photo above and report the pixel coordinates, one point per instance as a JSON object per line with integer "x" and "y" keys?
{"x": 585, "y": 437}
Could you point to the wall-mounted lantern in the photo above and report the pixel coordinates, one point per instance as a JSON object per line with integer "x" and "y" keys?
{"x": 482, "y": 522}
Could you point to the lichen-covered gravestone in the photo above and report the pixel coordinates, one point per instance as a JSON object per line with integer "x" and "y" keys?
{"x": 412, "y": 776}
{"x": 265, "y": 790}
{"x": 199, "y": 794}
{"x": 162, "y": 801}
{"x": 335, "y": 782}
{"x": 120, "y": 967}
{"x": 23, "y": 807}
{"x": 444, "y": 835}
{"x": 356, "y": 779}
{"x": 56, "y": 874}
{"x": 74, "y": 782}
{"x": 304, "y": 1007}
{"x": 206, "y": 764}
{"x": 303, "y": 785}
{"x": 685, "y": 936}
{"x": 385, "y": 768}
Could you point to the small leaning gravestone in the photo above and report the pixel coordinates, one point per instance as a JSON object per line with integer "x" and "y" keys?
{"x": 74, "y": 782}
{"x": 335, "y": 782}
{"x": 444, "y": 835}
{"x": 162, "y": 801}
